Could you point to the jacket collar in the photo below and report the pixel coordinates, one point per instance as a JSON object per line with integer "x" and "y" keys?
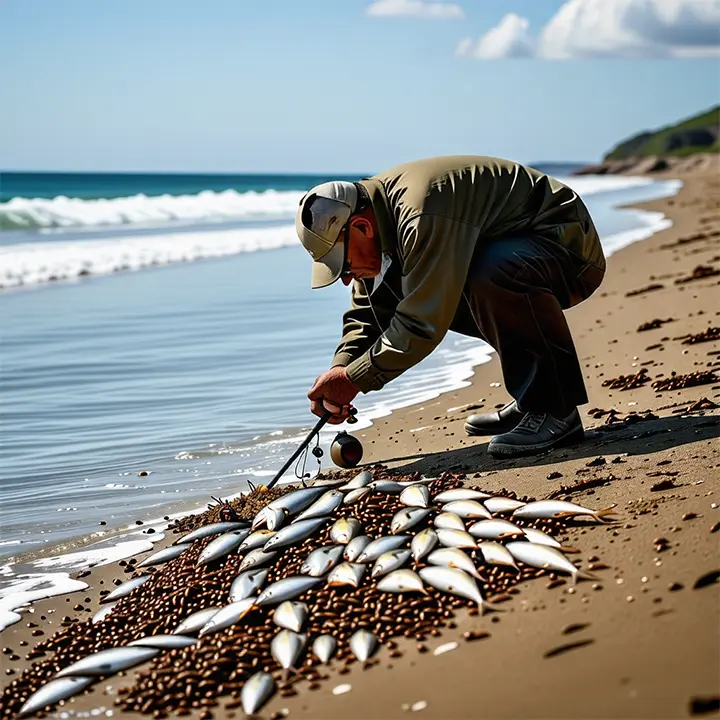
{"x": 383, "y": 215}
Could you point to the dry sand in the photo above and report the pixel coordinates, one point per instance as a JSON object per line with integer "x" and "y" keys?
{"x": 642, "y": 642}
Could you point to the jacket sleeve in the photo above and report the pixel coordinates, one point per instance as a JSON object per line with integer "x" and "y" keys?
{"x": 437, "y": 252}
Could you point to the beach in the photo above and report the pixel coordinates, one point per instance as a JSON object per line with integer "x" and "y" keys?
{"x": 639, "y": 642}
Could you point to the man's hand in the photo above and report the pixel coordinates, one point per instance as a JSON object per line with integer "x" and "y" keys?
{"x": 333, "y": 391}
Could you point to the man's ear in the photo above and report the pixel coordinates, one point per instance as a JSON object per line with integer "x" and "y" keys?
{"x": 363, "y": 225}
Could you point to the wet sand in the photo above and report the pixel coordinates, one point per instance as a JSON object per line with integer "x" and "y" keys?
{"x": 643, "y": 641}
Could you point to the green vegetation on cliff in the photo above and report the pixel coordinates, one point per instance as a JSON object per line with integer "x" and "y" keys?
{"x": 698, "y": 134}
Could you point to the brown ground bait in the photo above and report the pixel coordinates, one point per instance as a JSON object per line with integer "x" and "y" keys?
{"x": 654, "y": 324}
{"x": 628, "y": 382}
{"x": 643, "y": 290}
{"x": 679, "y": 382}
{"x": 699, "y": 273}
{"x": 709, "y": 335}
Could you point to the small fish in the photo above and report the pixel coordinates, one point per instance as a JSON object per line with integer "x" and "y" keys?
{"x": 125, "y": 589}
{"x": 547, "y": 558}
{"x": 103, "y": 612}
{"x": 346, "y": 573}
{"x": 502, "y": 504}
{"x": 256, "y": 691}
{"x": 544, "y": 509}
{"x": 355, "y": 547}
{"x": 324, "y": 646}
{"x": 448, "y": 496}
{"x": 256, "y": 558}
{"x": 227, "y": 616}
{"x": 164, "y": 555}
{"x": 286, "y": 589}
{"x": 286, "y": 647}
{"x": 399, "y": 581}
{"x": 296, "y": 532}
{"x": 354, "y": 495}
{"x": 389, "y": 561}
{"x": 270, "y": 517}
{"x": 542, "y": 538}
{"x": 496, "y": 554}
{"x": 388, "y": 486}
{"x": 456, "y": 538}
{"x": 163, "y": 642}
{"x": 469, "y": 509}
{"x": 448, "y": 521}
{"x": 195, "y": 622}
{"x": 297, "y": 500}
{"x": 454, "y": 581}
{"x": 415, "y": 496}
{"x": 495, "y": 530}
{"x": 376, "y": 548}
{"x": 359, "y": 481}
{"x": 344, "y": 530}
{"x": 324, "y": 505}
{"x": 363, "y": 644}
{"x": 454, "y": 558}
{"x": 247, "y": 584}
{"x": 407, "y": 518}
{"x": 207, "y": 530}
{"x": 256, "y": 540}
{"x": 423, "y": 543}
{"x": 221, "y": 546}
{"x": 291, "y": 615}
{"x": 109, "y": 662}
{"x": 53, "y": 692}
{"x": 319, "y": 561}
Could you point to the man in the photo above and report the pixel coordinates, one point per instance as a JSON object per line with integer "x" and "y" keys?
{"x": 482, "y": 246}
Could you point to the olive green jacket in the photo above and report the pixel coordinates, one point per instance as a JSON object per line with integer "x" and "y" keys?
{"x": 430, "y": 215}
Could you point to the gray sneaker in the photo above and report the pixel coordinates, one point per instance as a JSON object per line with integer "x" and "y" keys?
{"x": 537, "y": 432}
{"x": 493, "y": 423}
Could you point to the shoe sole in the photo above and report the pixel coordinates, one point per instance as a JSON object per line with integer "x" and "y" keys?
{"x": 477, "y": 432}
{"x": 572, "y": 438}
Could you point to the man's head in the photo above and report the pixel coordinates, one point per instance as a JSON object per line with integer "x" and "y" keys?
{"x": 336, "y": 225}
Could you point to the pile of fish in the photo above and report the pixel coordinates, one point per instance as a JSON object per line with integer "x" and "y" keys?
{"x": 371, "y": 559}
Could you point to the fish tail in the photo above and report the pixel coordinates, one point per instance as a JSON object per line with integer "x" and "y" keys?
{"x": 568, "y": 549}
{"x": 584, "y": 575}
{"x": 606, "y": 512}
{"x": 485, "y": 607}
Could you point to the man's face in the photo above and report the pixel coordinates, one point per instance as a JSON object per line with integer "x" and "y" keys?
{"x": 362, "y": 257}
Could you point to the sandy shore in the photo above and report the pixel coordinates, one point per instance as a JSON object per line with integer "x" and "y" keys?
{"x": 643, "y": 641}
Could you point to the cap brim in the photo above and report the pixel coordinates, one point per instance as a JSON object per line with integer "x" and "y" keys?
{"x": 328, "y": 268}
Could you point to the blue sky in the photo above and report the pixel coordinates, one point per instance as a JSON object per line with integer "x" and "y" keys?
{"x": 327, "y": 86}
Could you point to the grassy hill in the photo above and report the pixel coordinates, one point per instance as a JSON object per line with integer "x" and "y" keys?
{"x": 700, "y": 133}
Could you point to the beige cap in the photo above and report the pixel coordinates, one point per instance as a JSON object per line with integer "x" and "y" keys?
{"x": 331, "y": 205}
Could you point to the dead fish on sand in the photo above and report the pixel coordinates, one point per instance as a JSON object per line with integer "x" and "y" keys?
{"x": 291, "y": 615}
{"x": 195, "y": 622}
{"x": 297, "y": 500}
{"x": 256, "y": 558}
{"x": 227, "y": 616}
{"x": 164, "y": 555}
{"x": 376, "y": 548}
{"x": 448, "y": 521}
{"x": 502, "y": 504}
{"x": 456, "y": 582}
{"x": 256, "y": 692}
{"x": 207, "y": 530}
{"x": 359, "y": 481}
{"x": 324, "y": 505}
{"x": 456, "y": 538}
{"x": 109, "y": 662}
{"x": 319, "y": 561}
{"x": 389, "y": 561}
{"x": 542, "y": 538}
{"x": 286, "y": 647}
{"x": 407, "y": 518}
{"x": 125, "y": 589}
{"x": 163, "y": 642}
{"x": 495, "y": 553}
{"x": 256, "y": 540}
{"x": 400, "y": 581}
{"x": 53, "y": 692}
{"x": 468, "y": 509}
{"x": 346, "y": 573}
{"x": 296, "y": 532}
{"x": 286, "y": 589}
{"x": 454, "y": 558}
{"x": 344, "y": 530}
{"x": 270, "y": 517}
{"x": 102, "y": 613}
{"x": 415, "y": 496}
{"x": 354, "y": 495}
{"x": 423, "y": 543}
{"x": 448, "y": 496}
{"x": 363, "y": 644}
{"x": 324, "y": 647}
{"x": 247, "y": 583}
{"x": 219, "y": 547}
{"x": 495, "y": 530}
{"x": 558, "y": 509}
{"x": 355, "y": 547}
{"x": 547, "y": 558}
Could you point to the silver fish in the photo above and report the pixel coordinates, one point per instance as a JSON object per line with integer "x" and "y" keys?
{"x": 270, "y": 517}
{"x": 448, "y": 521}
{"x": 415, "y": 496}
{"x": 125, "y": 589}
{"x": 407, "y": 518}
{"x": 495, "y": 530}
{"x": 319, "y": 561}
{"x": 400, "y": 581}
{"x": 212, "y": 529}
{"x": 344, "y": 530}
{"x": 164, "y": 555}
{"x": 286, "y": 647}
{"x": 346, "y": 573}
{"x": 195, "y": 622}
{"x": 109, "y": 662}
{"x": 103, "y": 612}
{"x": 388, "y": 486}
{"x": 497, "y": 554}
{"x": 389, "y": 561}
{"x": 291, "y": 615}
{"x": 363, "y": 644}
{"x": 324, "y": 647}
{"x": 286, "y": 589}
{"x": 456, "y": 538}
{"x": 468, "y": 509}
{"x": 163, "y": 642}
{"x": 53, "y": 692}
{"x": 423, "y": 543}
{"x": 359, "y": 481}
{"x": 448, "y": 496}
{"x": 542, "y": 538}
{"x": 247, "y": 584}
{"x": 454, "y": 558}
{"x": 297, "y": 500}
{"x": 227, "y": 616}
{"x": 355, "y": 547}
{"x": 256, "y": 540}
{"x": 502, "y": 504}
{"x": 256, "y": 558}
{"x": 221, "y": 546}
{"x": 376, "y": 548}
{"x": 543, "y": 509}
{"x": 354, "y": 495}
{"x": 452, "y": 580}
{"x": 324, "y": 505}
{"x": 296, "y": 532}
{"x": 547, "y": 558}
{"x": 256, "y": 691}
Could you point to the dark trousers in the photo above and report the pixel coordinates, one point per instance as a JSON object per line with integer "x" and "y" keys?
{"x": 516, "y": 291}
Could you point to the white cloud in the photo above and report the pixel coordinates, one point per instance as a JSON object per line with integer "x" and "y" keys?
{"x": 608, "y": 29}
{"x": 426, "y": 9}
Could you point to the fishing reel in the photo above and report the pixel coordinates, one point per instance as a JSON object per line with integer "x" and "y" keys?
{"x": 346, "y": 450}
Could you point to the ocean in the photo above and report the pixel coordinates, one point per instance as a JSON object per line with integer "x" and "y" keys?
{"x": 159, "y": 337}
